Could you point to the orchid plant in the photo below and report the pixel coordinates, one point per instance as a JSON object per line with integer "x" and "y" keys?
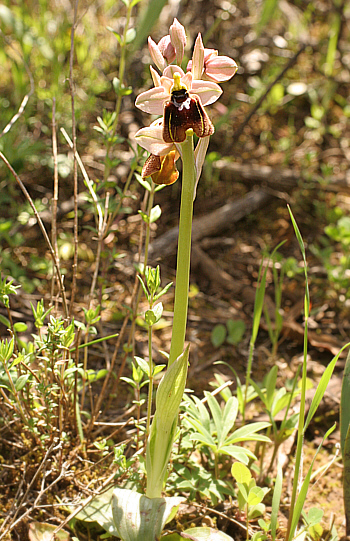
{"x": 179, "y": 97}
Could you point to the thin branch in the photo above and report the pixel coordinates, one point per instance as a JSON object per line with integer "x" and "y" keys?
{"x": 43, "y": 230}
{"x": 55, "y": 193}
{"x": 75, "y": 167}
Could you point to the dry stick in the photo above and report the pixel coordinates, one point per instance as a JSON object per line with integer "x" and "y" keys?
{"x": 23, "y": 499}
{"x": 291, "y": 62}
{"x": 43, "y": 230}
{"x": 75, "y": 167}
{"x": 80, "y": 507}
{"x": 55, "y": 196}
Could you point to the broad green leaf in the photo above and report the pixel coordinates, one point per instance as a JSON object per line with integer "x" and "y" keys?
{"x": 256, "y": 511}
{"x": 236, "y": 329}
{"x": 239, "y": 453}
{"x": 100, "y": 510}
{"x": 130, "y": 35}
{"x": 155, "y": 214}
{"x": 153, "y": 315}
{"x": 144, "y": 183}
{"x": 138, "y": 518}
{"x": 315, "y": 515}
{"x": 42, "y": 531}
{"x": 241, "y": 473}
{"x": 20, "y": 327}
{"x": 207, "y": 534}
{"x": 256, "y": 496}
{"x": 5, "y": 321}
{"x": 218, "y": 335}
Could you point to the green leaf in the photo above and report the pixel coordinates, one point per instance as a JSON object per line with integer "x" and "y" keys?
{"x": 276, "y": 500}
{"x": 100, "y": 510}
{"x": 153, "y": 315}
{"x": 204, "y": 438}
{"x": 207, "y": 534}
{"x": 304, "y": 488}
{"x": 130, "y": 35}
{"x": 236, "y": 330}
{"x": 155, "y": 214}
{"x": 144, "y": 365}
{"x": 270, "y": 384}
{"x": 241, "y": 473}
{"x": 256, "y": 496}
{"x": 229, "y": 417}
{"x": 248, "y": 432}
{"x": 314, "y": 516}
{"x": 138, "y": 518}
{"x": 239, "y": 453}
{"x": 216, "y": 413}
{"x": 218, "y": 335}
{"x": 321, "y": 388}
{"x": 21, "y": 381}
{"x": 42, "y": 531}
{"x": 143, "y": 287}
{"x": 345, "y": 404}
{"x": 5, "y": 321}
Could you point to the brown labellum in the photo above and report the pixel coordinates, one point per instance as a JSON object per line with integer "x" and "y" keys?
{"x": 184, "y": 112}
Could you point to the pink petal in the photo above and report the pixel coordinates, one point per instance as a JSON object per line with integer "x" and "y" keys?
{"x": 155, "y": 77}
{"x": 151, "y": 139}
{"x": 167, "y": 49}
{"x": 220, "y": 68}
{"x": 170, "y": 70}
{"x": 152, "y": 100}
{"x": 207, "y": 91}
{"x": 197, "y": 64}
{"x": 156, "y": 55}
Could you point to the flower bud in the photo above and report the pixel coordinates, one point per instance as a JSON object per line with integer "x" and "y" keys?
{"x": 167, "y": 49}
{"x": 156, "y": 54}
{"x": 219, "y": 68}
{"x": 178, "y": 39}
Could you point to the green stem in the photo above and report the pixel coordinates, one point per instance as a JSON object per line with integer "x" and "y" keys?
{"x": 300, "y": 437}
{"x": 150, "y": 385}
{"x": 184, "y": 250}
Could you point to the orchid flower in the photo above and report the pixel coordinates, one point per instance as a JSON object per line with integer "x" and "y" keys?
{"x": 180, "y": 98}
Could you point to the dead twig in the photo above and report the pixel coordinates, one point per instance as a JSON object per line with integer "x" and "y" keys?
{"x": 43, "y": 230}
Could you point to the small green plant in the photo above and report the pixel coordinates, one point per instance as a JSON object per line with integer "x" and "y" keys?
{"x": 215, "y": 432}
{"x": 275, "y": 400}
{"x": 249, "y": 496}
{"x": 232, "y": 332}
